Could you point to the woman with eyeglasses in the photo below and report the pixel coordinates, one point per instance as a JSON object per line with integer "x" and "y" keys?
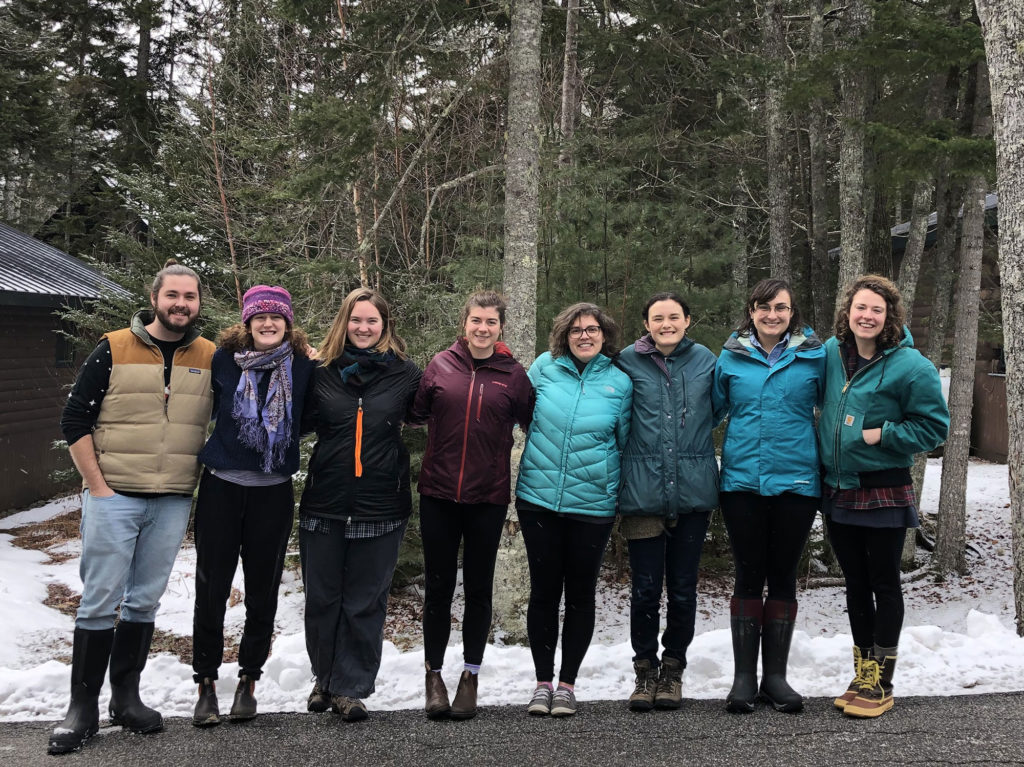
{"x": 769, "y": 377}
{"x": 669, "y": 489}
{"x": 567, "y": 489}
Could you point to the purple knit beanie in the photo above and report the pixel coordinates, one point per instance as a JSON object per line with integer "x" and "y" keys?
{"x": 267, "y": 299}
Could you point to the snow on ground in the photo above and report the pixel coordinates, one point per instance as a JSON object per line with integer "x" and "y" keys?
{"x": 958, "y": 635}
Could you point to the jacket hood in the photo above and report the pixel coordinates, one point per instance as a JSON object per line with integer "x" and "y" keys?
{"x": 801, "y": 341}
{"x": 645, "y": 345}
{"x": 502, "y": 358}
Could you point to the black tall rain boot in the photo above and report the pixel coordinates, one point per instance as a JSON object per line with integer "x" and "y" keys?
{"x": 88, "y": 667}
{"x": 128, "y": 657}
{"x": 776, "y": 636}
{"x": 745, "y": 622}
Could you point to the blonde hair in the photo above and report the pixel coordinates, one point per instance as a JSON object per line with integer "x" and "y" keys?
{"x": 334, "y": 344}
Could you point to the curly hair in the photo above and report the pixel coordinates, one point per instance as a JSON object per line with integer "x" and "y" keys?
{"x": 892, "y": 330}
{"x": 238, "y": 338}
{"x": 764, "y": 292}
{"x": 558, "y": 340}
{"x": 334, "y": 344}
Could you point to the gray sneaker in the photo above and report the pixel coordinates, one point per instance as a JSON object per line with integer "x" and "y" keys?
{"x": 540, "y": 703}
{"x": 563, "y": 702}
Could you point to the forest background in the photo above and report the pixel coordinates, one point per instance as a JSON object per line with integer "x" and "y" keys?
{"x": 694, "y": 146}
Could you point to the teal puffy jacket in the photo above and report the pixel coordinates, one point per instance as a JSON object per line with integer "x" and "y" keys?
{"x": 770, "y": 446}
{"x": 669, "y": 466}
{"x": 580, "y": 425}
{"x": 898, "y": 392}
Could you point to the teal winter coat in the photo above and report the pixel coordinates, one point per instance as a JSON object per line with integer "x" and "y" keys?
{"x": 770, "y": 446}
{"x": 580, "y": 425}
{"x": 898, "y": 392}
{"x": 669, "y": 466}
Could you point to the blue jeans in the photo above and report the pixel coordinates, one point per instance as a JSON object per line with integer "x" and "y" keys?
{"x": 128, "y": 550}
{"x": 672, "y": 558}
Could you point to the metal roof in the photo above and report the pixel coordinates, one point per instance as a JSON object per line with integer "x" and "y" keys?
{"x": 32, "y": 272}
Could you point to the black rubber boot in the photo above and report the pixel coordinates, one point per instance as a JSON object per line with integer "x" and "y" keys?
{"x": 128, "y": 657}
{"x": 776, "y": 635}
{"x": 88, "y": 667}
{"x": 745, "y": 622}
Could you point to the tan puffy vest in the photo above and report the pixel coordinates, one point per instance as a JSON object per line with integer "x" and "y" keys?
{"x": 144, "y": 443}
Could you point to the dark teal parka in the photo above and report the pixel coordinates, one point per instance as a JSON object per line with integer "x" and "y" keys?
{"x": 669, "y": 466}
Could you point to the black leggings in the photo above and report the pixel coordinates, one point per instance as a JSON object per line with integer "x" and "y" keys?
{"x": 767, "y": 534}
{"x": 870, "y": 559}
{"x": 443, "y": 526}
{"x": 563, "y": 553}
{"x": 231, "y": 521}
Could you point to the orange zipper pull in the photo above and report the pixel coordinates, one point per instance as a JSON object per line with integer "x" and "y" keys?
{"x": 359, "y": 439}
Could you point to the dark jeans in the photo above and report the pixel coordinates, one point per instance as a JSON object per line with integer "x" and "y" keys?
{"x": 870, "y": 559}
{"x": 767, "y": 534}
{"x": 443, "y": 526}
{"x": 232, "y": 521}
{"x": 672, "y": 559}
{"x": 346, "y": 582}
{"x": 564, "y": 554}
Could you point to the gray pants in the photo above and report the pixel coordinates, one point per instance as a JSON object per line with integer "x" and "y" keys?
{"x": 346, "y": 582}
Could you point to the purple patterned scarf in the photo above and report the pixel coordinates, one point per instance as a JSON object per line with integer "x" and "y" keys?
{"x": 268, "y": 432}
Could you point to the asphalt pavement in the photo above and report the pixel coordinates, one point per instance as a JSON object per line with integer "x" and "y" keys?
{"x": 959, "y": 730}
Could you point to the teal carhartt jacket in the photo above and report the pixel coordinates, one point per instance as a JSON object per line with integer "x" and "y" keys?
{"x": 580, "y": 425}
{"x": 669, "y": 466}
{"x": 770, "y": 446}
{"x": 900, "y": 392}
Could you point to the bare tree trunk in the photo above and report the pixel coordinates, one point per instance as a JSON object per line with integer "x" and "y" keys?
{"x": 820, "y": 293}
{"x": 853, "y": 81}
{"x": 1002, "y": 23}
{"x": 567, "y": 129}
{"x": 950, "y": 550}
{"x": 522, "y": 212}
{"x": 739, "y": 228}
{"x": 779, "y": 205}
{"x": 910, "y": 266}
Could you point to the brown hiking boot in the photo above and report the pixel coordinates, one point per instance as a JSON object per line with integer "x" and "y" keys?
{"x": 874, "y": 697}
{"x": 464, "y": 705}
{"x": 319, "y": 699}
{"x": 860, "y": 654}
{"x": 437, "y": 696}
{"x": 669, "y": 694}
{"x": 646, "y": 688}
{"x": 349, "y": 709}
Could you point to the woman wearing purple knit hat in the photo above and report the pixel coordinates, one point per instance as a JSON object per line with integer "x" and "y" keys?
{"x": 261, "y": 372}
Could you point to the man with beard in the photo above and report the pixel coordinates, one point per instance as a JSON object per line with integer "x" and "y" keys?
{"x": 134, "y": 422}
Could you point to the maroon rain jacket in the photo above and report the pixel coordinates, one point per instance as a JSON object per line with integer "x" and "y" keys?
{"x": 470, "y": 414}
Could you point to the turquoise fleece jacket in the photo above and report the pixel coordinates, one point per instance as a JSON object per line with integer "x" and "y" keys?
{"x": 580, "y": 426}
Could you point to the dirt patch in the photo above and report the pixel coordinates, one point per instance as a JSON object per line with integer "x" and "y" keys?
{"x": 50, "y": 535}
